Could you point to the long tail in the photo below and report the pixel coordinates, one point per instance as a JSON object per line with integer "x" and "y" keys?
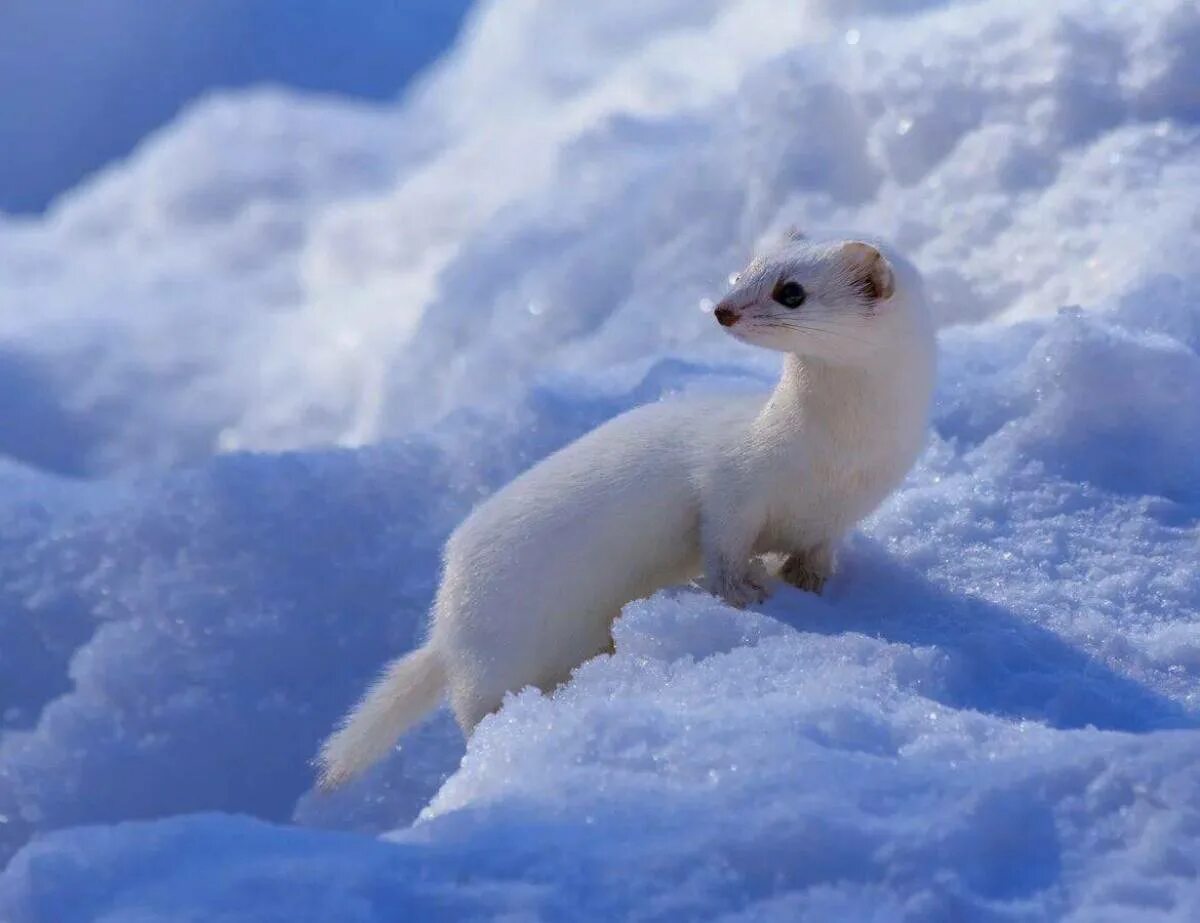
{"x": 409, "y": 688}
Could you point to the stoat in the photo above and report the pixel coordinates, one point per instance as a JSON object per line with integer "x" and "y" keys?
{"x": 536, "y": 574}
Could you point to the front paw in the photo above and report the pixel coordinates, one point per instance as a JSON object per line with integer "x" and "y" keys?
{"x": 800, "y": 573}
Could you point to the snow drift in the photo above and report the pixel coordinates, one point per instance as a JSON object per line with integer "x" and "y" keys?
{"x": 327, "y": 259}
{"x": 84, "y": 83}
{"x": 991, "y": 715}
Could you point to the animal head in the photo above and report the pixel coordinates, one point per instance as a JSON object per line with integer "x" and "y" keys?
{"x": 837, "y": 301}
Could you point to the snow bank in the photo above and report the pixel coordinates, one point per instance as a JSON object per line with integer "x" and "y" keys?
{"x": 991, "y": 715}
{"x": 84, "y": 84}
{"x": 325, "y": 259}
{"x": 183, "y": 643}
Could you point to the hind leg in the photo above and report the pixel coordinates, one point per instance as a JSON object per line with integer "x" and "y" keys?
{"x": 470, "y": 708}
{"x": 473, "y": 700}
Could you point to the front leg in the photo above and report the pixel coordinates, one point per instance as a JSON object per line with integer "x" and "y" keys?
{"x": 728, "y": 529}
{"x": 809, "y": 569}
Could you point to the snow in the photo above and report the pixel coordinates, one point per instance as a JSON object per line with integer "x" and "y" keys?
{"x": 324, "y": 256}
{"x": 84, "y": 83}
{"x": 992, "y": 714}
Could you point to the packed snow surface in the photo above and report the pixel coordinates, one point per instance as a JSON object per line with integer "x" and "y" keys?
{"x": 992, "y": 714}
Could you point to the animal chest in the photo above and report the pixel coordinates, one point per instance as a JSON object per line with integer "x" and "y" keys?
{"x": 820, "y": 499}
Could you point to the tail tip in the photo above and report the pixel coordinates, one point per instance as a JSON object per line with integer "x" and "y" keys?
{"x": 332, "y": 773}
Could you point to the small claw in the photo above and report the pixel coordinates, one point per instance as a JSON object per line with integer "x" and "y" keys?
{"x": 742, "y": 593}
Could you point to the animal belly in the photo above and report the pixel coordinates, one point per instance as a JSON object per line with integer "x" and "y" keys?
{"x": 526, "y": 604}
{"x": 623, "y": 560}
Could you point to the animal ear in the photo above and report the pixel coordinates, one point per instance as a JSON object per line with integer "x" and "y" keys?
{"x": 869, "y": 270}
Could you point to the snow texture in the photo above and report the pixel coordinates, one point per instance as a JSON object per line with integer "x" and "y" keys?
{"x": 993, "y": 714}
{"x": 84, "y": 82}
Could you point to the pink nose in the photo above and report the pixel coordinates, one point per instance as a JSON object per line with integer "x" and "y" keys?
{"x": 726, "y": 317}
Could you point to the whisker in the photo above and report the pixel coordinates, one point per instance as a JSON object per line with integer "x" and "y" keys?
{"x": 777, "y": 321}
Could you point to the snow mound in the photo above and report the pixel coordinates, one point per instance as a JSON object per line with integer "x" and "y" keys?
{"x": 990, "y": 713}
{"x": 84, "y": 85}
{"x": 327, "y": 260}
{"x": 993, "y": 712}
{"x": 183, "y": 643}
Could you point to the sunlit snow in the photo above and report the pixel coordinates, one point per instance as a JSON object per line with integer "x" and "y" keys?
{"x": 992, "y": 713}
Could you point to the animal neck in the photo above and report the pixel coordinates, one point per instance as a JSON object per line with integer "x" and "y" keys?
{"x": 882, "y": 402}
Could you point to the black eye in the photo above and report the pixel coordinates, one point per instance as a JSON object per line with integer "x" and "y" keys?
{"x": 788, "y": 294}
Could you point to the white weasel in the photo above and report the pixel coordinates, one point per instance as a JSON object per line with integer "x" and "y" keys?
{"x": 536, "y": 575}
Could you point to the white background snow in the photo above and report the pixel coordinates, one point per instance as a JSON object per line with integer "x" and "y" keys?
{"x": 84, "y": 80}
{"x": 252, "y": 377}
